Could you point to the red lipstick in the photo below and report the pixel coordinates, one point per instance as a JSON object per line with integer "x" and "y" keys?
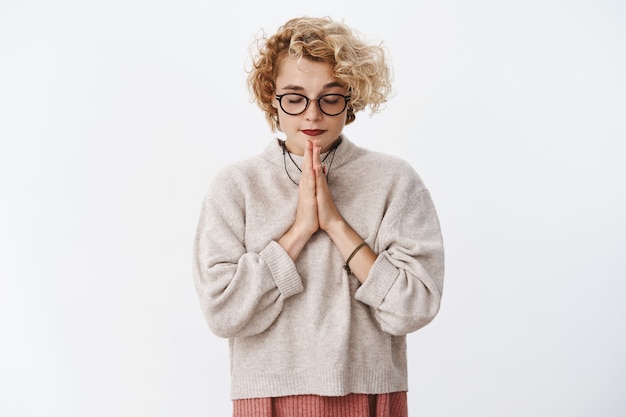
{"x": 313, "y": 132}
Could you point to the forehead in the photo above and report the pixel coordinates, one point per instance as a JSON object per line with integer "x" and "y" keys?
{"x": 304, "y": 73}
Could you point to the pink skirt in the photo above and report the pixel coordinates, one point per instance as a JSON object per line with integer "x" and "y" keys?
{"x": 352, "y": 405}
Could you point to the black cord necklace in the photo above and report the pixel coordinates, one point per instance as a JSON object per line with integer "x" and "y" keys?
{"x": 333, "y": 150}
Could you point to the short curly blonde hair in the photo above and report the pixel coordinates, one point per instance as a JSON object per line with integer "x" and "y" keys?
{"x": 361, "y": 67}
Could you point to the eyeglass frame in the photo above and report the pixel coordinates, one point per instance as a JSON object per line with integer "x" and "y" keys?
{"x": 279, "y": 97}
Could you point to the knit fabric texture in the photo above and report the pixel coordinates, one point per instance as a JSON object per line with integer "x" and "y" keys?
{"x": 352, "y": 405}
{"x": 307, "y": 327}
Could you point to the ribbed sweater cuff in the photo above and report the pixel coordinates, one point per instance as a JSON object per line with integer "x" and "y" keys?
{"x": 283, "y": 269}
{"x": 379, "y": 281}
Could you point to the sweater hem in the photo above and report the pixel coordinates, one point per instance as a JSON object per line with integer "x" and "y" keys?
{"x": 324, "y": 382}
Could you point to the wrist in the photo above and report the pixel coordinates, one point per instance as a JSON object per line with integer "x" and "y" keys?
{"x": 294, "y": 241}
{"x": 336, "y": 228}
{"x": 354, "y": 252}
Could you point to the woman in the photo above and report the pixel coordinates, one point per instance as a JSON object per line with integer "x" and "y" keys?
{"x": 317, "y": 257}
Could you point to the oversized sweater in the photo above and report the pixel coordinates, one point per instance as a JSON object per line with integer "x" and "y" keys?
{"x": 306, "y": 326}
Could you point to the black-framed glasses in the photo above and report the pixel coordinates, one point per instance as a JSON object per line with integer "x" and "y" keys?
{"x": 329, "y": 104}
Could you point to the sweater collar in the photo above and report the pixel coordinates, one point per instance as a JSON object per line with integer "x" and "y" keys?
{"x": 273, "y": 153}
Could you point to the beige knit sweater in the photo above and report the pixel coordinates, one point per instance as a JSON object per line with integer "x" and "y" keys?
{"x": 306, "y": 327}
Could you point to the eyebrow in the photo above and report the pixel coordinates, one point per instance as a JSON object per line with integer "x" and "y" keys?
{"x": 325, "y": 87}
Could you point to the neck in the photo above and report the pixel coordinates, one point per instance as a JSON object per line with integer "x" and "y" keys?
{"x": 297, "y": 150}
{"x": 331, "y": 151}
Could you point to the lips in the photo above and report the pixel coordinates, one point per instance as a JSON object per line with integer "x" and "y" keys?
{"x": 312, "y": 132}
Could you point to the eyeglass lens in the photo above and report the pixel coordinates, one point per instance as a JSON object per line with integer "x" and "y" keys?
{"x": 330, "y": 104}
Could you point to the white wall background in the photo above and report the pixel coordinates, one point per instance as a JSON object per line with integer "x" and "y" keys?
{"x": 115, "y": 114}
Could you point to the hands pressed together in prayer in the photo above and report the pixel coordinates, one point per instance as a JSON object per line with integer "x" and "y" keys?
{"x": 316, "y": 210}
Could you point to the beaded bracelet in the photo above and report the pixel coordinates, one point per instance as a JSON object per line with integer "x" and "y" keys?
{"x": 347, "y": 265}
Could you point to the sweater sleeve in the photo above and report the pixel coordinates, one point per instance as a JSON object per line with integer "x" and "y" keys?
{"x": 241, "y": 292}
{"x": 405, "y": 284}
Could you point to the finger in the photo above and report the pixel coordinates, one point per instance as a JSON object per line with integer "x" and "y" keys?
{"x": 316, "y": 158}
{"x": 306, "y": 161}
{"x": 307, "y": 179}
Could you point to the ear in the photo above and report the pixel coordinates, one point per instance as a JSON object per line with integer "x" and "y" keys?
{"x": 350, "y": 116}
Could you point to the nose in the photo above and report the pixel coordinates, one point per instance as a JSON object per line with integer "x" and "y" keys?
{"x": 313, "y": 111}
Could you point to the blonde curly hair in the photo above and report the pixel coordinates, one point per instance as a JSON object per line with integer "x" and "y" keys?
{"x": 361, "y": 67}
